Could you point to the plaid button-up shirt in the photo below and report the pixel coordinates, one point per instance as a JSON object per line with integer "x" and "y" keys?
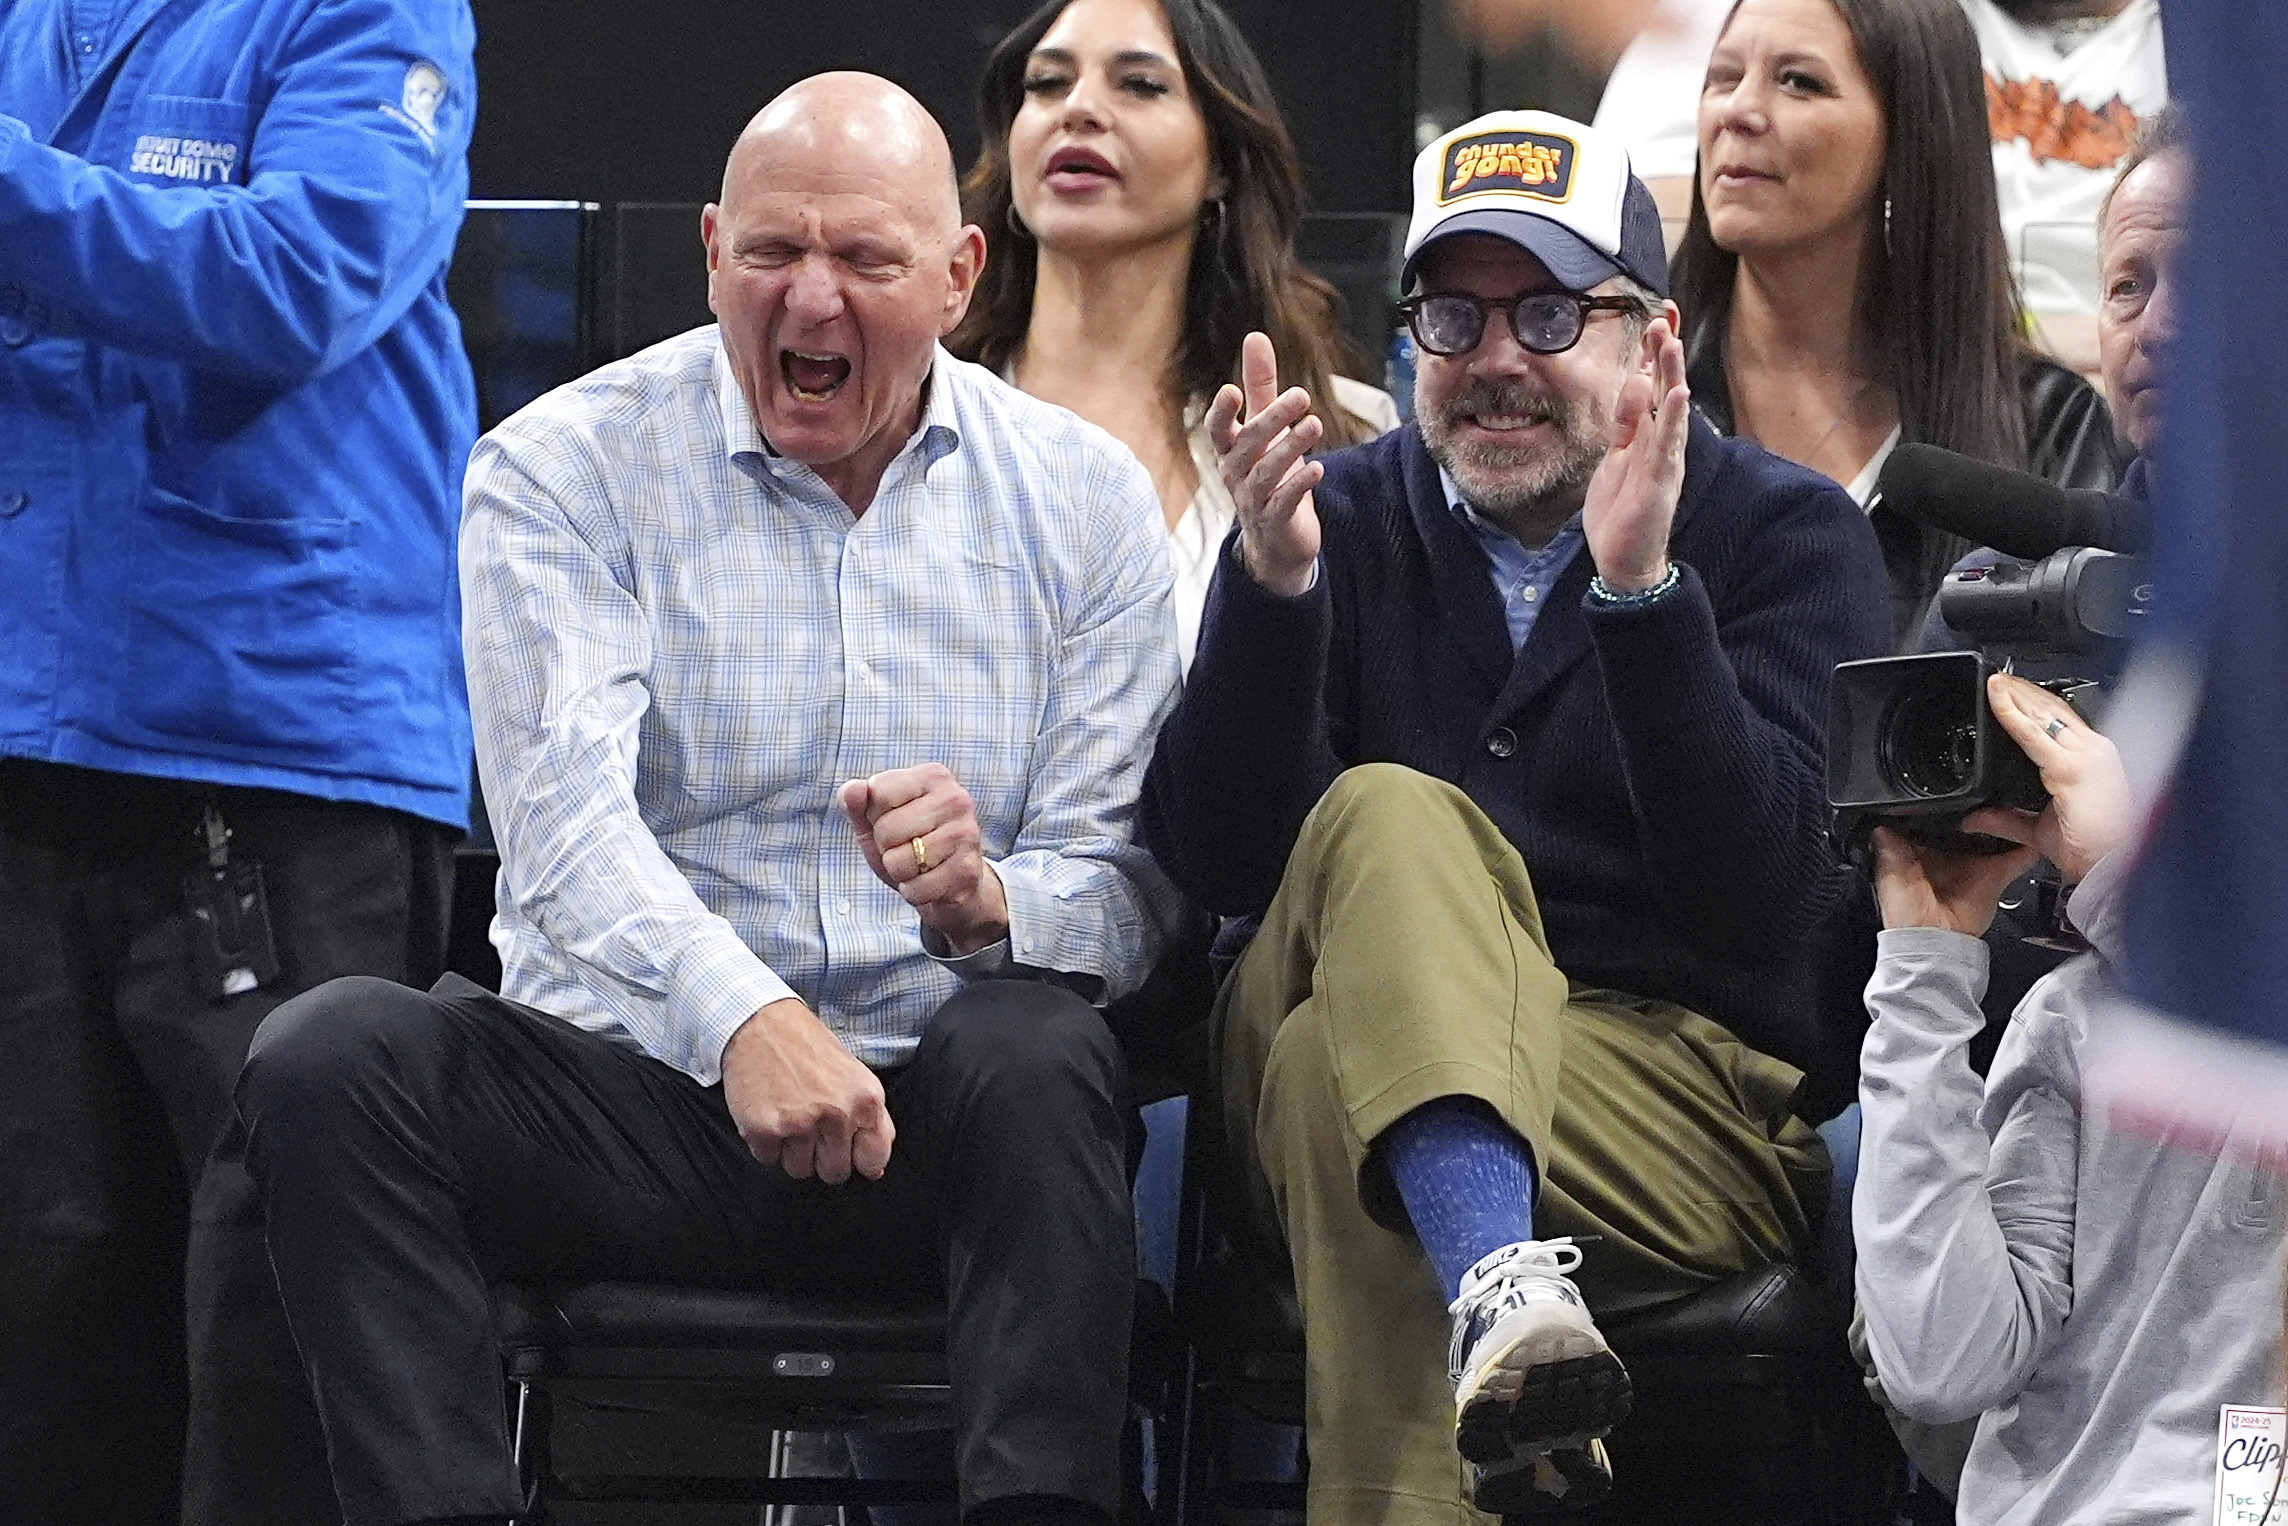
{"x": 680, "y": 644}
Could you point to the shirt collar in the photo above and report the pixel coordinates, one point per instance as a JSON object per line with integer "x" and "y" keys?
{"x": 938, "y": 437}
{"x": 1456, "y": 504}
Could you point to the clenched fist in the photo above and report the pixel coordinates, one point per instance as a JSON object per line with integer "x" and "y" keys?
{"x": 918, "y": 829}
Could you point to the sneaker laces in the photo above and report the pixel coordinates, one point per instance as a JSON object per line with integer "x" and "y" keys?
{"x": 1527, "y": 1272}
{"x": 1506, "y": 1269}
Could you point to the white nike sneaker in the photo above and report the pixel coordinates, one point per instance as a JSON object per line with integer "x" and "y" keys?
{"x": 1532, "y": 1376}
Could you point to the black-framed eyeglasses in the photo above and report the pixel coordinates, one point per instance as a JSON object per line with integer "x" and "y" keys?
{"x": 1545, "y": 322}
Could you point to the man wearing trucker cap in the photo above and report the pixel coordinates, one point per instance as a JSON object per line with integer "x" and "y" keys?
{"x": 1509, "y": 727}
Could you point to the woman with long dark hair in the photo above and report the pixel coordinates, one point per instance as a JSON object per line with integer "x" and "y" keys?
{"x": 1140, "y": 197}
{"x": 1843, "y": 277}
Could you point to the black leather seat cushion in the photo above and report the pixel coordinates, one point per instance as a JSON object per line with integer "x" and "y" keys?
{"x": 1772, "y": 1311}
{"x": 658, "y": 1317}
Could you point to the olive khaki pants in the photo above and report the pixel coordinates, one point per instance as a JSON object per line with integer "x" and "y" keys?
{"x": 1402, "y": 961}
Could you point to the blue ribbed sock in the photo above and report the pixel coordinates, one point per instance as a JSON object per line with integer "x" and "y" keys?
{"x": 1466, "y": 1179}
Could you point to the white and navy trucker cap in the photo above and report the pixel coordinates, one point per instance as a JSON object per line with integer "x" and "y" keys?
{"x": 1555, "y": 187}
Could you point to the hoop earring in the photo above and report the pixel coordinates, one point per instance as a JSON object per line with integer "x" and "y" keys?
{"x": 1016, "y": 225}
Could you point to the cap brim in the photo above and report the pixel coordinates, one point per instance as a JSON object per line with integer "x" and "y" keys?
{"x": 1572, "y": 261}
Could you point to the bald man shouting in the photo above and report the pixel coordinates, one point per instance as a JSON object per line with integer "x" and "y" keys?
{"x": 814, "y": 674}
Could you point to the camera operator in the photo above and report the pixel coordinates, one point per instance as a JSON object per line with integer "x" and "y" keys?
{"x": 1984, "y": 1217}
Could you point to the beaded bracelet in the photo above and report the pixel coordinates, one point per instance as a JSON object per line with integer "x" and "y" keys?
{"x": 1605, "y": 594}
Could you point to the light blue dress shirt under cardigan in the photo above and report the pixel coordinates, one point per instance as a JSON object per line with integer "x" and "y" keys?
{"x": 1522, "y": 576}
{"x": 680, "y": 644}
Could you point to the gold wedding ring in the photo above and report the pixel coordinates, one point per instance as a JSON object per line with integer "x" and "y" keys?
{"x": 921, "y": 855}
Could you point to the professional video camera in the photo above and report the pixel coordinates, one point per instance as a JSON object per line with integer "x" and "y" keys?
{"x": 1910, "y": 740}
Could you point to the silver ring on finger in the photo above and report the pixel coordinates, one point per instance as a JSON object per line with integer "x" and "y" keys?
{"x": 2056, "y": 725}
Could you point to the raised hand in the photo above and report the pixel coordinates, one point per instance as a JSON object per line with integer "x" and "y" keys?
{"x": 801, "y": 1101}
{"x": 918, "y": 830}
{"x": 1631, "y": 501}
{"x": 2090, "y": 811}
{"x": 1261, "y": 439}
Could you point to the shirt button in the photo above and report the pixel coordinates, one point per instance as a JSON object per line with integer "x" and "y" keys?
{"x": 1531, "y": 593}
{"x": 842, "y": 906}
{"x": 14, "y": 333}
{"x": 84, "y": 42}
{"x": 1502, "y": 742}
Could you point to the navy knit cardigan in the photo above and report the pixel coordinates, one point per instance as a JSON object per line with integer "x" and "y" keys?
{"x": 1661, "y": 770}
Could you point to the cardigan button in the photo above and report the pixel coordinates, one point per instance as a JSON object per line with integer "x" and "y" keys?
{"x": 1502, "y": 742}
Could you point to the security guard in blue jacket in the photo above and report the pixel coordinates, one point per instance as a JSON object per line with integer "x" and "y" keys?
{"x": 234, "y": 742}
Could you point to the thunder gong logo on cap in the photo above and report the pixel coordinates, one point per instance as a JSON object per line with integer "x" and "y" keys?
{"x": 1528, "y": 163}
{"x": 1557, "y": 188}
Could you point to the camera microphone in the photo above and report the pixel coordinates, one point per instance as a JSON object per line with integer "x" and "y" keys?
{"x": 2015, "y": 512}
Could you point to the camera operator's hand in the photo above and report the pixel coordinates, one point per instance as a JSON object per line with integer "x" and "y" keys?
{"x": 2089, "y": 814}
{"x": 1918, "y": 885}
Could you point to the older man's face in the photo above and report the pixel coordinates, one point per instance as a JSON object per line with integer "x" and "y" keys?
{"x": 2137, "y": 308}
{"x": 1521, "y": 434}
{"x": 833, "y": 283}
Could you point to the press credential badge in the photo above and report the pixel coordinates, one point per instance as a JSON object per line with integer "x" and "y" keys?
{"x": 2249, "y": 1442}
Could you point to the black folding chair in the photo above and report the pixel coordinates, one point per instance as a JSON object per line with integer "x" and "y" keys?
{"x": 640, "y": 1394}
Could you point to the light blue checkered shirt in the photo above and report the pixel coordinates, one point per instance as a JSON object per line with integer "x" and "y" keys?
{"x": 680, "y": 644}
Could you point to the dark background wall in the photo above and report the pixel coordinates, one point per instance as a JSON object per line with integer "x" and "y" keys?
{"x": 638, "y": 100}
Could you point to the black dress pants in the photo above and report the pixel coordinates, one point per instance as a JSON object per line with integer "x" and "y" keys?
{"x": 115, "y": 1083}
{"x": 413, "y": 1148}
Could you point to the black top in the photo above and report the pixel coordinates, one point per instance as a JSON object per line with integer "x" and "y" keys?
{"x": 1662, "y": 770}
{"x": 2070, "y": 439}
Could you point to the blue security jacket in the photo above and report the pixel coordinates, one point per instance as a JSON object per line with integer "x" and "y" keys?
{"x": 234, "y": 407}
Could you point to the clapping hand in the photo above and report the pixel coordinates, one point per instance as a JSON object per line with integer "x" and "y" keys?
{"x": 1631, "y": 502}
{"x": 1262, "y": 438}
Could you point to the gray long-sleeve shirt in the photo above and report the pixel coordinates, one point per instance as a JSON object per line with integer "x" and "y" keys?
{"x": 2094, "y": 1296}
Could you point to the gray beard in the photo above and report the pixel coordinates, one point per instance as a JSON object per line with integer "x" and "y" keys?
{"x": 1529, "y": 492}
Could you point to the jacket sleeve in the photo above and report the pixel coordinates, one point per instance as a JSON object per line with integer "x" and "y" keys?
{"x": 350, "y": 208}
{"x": 1722, "y": 723}
{"x": 2071, "y": 438}
{"x": 1963, "y": 1215}
{"x": 1247, "y": 752}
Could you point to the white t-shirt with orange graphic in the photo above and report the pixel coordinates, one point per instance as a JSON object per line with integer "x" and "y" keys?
{"x": 2064, "y": 104}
